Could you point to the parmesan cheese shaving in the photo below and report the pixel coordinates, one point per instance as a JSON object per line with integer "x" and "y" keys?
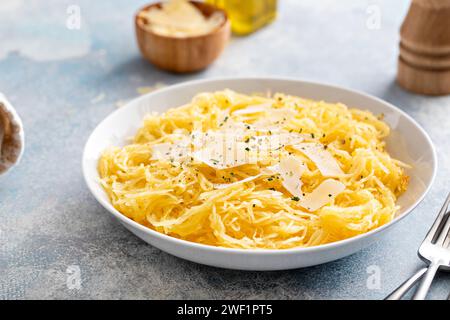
{"x": 263, "y": 107}
{"x": 161, "y": 151}
{"x": 267, "y": 144}
{"x": 223, "y": 149}
{"x": 291, "y": 170}
{"x": 222, "y": 155}
{"x": 324, "y": 160}
{"x": 322, "y": 195}
{"x": 276, "y": 119}
{"x": 177, "y": 151}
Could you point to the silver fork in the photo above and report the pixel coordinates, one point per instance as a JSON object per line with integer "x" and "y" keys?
{"x": 435, "y": 251}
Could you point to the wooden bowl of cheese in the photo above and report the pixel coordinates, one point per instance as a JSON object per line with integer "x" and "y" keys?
{"x": 182, "y": 36}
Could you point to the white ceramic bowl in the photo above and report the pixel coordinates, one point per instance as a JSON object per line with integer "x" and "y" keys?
{"x": 408, "y": 142}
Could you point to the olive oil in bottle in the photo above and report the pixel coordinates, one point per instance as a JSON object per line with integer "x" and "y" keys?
{"x": 248, "y": 16}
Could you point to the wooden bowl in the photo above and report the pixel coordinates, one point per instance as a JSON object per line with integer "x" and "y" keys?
{"x": 182, "y": 54}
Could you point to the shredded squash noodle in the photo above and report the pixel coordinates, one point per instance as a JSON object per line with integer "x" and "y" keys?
{"x": 256, "y": 172}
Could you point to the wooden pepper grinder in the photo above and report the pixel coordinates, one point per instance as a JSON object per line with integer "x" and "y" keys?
{"x": 424, "y": 61}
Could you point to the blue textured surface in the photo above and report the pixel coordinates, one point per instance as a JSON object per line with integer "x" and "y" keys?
{"x": 55, "y": 77}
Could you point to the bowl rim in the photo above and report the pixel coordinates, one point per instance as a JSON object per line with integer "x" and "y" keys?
{"x": 225, "y": 24}
{"x": 94, "y": 185}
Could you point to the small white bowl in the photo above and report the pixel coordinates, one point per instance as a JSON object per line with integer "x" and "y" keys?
{"x": 408, "y": 142}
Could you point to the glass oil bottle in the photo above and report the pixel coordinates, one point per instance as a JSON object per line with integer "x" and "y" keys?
{"x": 248, "y": 16}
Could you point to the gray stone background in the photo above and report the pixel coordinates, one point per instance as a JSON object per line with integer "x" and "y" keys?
{"x": 64, "y": 82}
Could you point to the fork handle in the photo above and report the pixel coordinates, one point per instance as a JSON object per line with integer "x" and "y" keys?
{"x": 398, "y": 293}
{"x": 425, "y": 284}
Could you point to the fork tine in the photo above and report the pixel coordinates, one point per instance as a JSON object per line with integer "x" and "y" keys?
{"x": 433, "y": 231}
{"x": 447, "y": 241}
{"x": 444, "y": 230}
